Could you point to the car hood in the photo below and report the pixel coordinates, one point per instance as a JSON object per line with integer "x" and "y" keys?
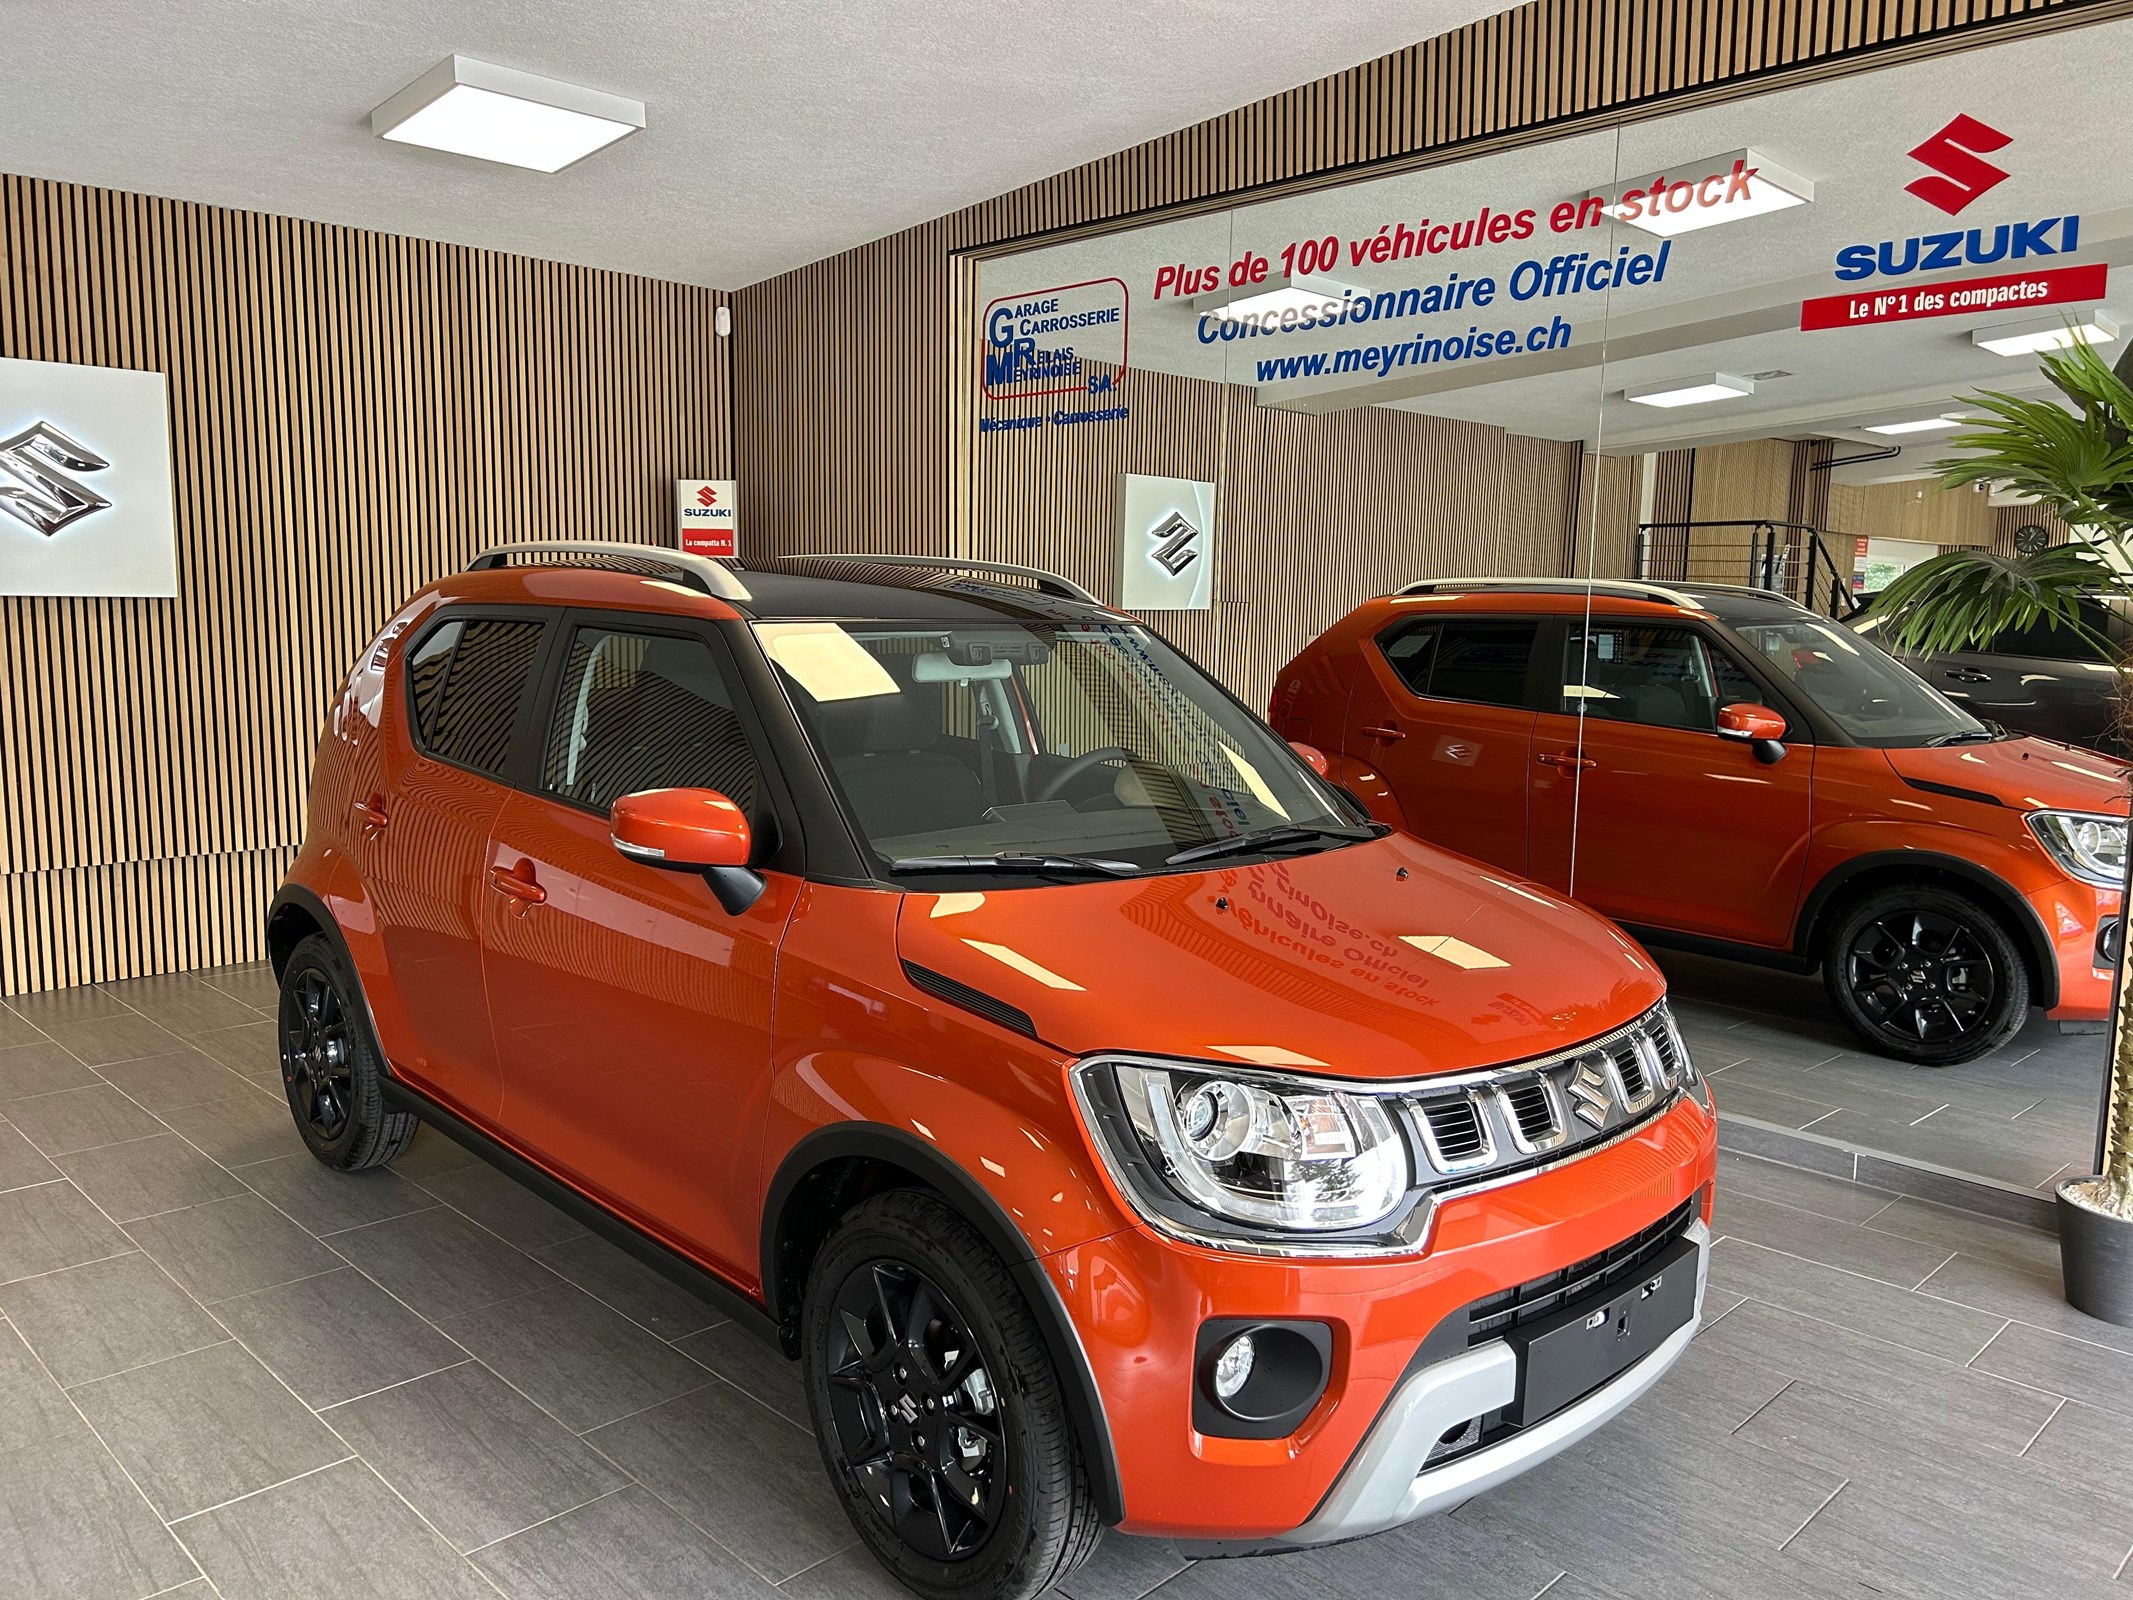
{"x": 2028, "y": 774}
{"x": 1388, "y": 959}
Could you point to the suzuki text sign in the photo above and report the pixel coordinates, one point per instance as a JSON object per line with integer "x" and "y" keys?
{"x": 85, "y": 493}
{"x": 2054, "y": 286}
{"x": 707, "y": 511}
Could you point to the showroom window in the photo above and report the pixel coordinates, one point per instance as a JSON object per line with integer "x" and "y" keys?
{"x": 1485, "y": 662}
{"x": 467, "y": 717}
{"x": 641, "y": 711}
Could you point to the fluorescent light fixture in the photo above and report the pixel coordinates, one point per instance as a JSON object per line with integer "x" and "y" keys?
{"x": 1691, "y": 391}
{"x": 1704, "y": 193}
{"x": 2033, "y": 334}
{"x": 471, "y": 108}
{"x": 1916, "y": 425}
{"x": 1263, "y": 303}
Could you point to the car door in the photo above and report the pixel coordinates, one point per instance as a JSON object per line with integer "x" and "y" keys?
{"x": 632, "y": 1013}
{"x": 2053, "y": 682}
{"x": 419, "y": 842}
{"x": 1446, "y": 714}
{"x": 1641, "y": 810}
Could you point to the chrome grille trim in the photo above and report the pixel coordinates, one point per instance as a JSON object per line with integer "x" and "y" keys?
{"x": 1456, "y": 1134}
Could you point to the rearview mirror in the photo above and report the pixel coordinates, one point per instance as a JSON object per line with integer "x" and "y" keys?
{"x": 1762, "y": 728}
{"x": 689, "y": 830}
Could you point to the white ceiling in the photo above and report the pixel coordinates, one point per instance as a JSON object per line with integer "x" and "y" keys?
{"x": 778, "y": 132}
{"x": 1732, "y": 294}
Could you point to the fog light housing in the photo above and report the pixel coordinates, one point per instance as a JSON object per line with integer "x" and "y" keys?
{"x": 1258, "y": 1380}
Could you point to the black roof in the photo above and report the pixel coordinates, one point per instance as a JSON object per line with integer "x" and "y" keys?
{"x": 864, "y": 591}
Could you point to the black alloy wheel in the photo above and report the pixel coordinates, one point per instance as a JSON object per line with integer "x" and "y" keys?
{"x": 1927, "y": 975}
{"x": 915, "y": 1415}
{"x": 315, "y": 1063}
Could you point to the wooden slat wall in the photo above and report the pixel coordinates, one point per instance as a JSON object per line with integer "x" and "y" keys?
{"x": 855, "y": 413}
{"x": 352, "y": 414}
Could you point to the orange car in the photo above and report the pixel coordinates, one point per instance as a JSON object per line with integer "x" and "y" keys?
{"x": 938, "y": 970}
{"x": 1721, "y": 769}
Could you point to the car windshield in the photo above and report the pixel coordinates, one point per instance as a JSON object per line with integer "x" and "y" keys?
{"x": 1085, "y": 747}
{"x": 1868, "y": 693}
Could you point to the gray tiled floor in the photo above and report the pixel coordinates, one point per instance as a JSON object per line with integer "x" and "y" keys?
{"x": 217, "y": 1358}
{"x": 2025, "y": 1115}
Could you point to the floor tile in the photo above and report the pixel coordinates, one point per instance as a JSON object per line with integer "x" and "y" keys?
{"x": 1899, "y": 1261}
{"x": 336, "y": 1535}
{"x": 252, "y": 982}
{"x": 203, "y": 1428}
{"x": 51, "y": 1226}
{"x": 2062, "y": 1366}
{"x": 504, "y": 1206}
{"x": 91, "y": 1321}
{"x": 2035, "y": 1295}
{"x": 80, "y": 1119}
{"x": 771, "y": 1504}
{"x": 431, "y": 1154}
{"x": 1796, "y": 1187}
{"x": 60, "y": 1007}
{"x": 243, "y": 1129}
{"x": 34, "y": 1410}
{"x": 181, "y": 1002}
{"x": 619, "y": 1279}
{"x": 1125, "y": 1568}
{"x": 233, "y": 1246}
{"x": 20, "y": 1162}
{"x": 1948, "y": 1229}
{"x": 336, "y": 1336}
{"x": 2079, "y": 1442}
{"x": 480, "y": 1459}
{"x": 16, "y": 1029}
{"x": 565, "y": 1351}
{"x": 1785, "y": 1109}
{"x": 325, "y": 1201}
{"x": 163, "y": 1083}
{"x": 144, "y": 1176}
{"x": 736, "y": 1354}
{"x": 71, "y": 1525}
{"x": 121, "y": 1036}
{"x": 440, "y": 1263}
{"x": 627, "y": 1546}
{"x": 1868, "y": 1305}
{"x": 249, "y": 1049}
{"x": 854, "y": 1574}
{"x": 1459, "y": 1558}
{"x": 29, "y": 1069}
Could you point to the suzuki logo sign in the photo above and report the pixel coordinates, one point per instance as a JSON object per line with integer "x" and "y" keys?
{"x": 704, "y": 510}
{"x": 86, "y": 505}
{"x": 42, "y": 495}
{"x": 1166, "y": 543}
{"x": 1960, "y": 172}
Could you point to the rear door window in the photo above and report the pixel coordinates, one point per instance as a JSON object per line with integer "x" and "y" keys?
{"x": 465, "y": 696}
{"x": 1483, "y": 660}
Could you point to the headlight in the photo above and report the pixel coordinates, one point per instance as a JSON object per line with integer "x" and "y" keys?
{"x": 2089, "y": 846}
{"x": 1271, "y": 1154}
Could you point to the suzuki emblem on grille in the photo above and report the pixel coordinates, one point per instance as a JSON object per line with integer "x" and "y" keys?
{"x": 1590, "y": 1093}
{"x": 43, "y": 496}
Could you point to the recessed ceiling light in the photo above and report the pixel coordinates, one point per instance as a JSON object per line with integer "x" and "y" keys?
{"x": 471, "y": 108}
{"x": 1691, "y": 391}
{"x": 2046, "y": 333}
{"x": 1301, "y": 291}
{"x": 1916, "y": 425}
{"x": 1704, "y": 193}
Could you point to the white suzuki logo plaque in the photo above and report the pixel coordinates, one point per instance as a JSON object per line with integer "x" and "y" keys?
{"x": 1166, "y": 543}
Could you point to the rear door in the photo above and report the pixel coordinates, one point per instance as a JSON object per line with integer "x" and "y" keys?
{"x": 1641, "y": 810}
{"x": 1446, "y": 713}
{"x": 2053, "y": 682}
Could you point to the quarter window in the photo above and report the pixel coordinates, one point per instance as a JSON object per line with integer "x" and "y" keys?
{"x": 467, "y": 692}
{"x": 1484, "y": 660}
{"x": 641, "y": 711}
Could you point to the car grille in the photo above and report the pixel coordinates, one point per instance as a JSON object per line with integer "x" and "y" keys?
{"x": 1612, "y": 1267}
{"x": 1456, "y": 1134}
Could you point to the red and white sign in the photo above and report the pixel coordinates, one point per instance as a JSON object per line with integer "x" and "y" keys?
{"x": 707, "y": 511}
{"x": 2017, "y": 291}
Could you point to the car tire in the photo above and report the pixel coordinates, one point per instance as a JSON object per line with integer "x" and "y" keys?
{"x": 331, "y": 1069}
{"x": 1926, "y": 974}
{"x": 902, "y": 1298}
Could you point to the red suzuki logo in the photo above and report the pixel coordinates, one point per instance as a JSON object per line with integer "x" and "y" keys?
{"x": 1961, "y": 173}
{"x": 707, "y": 496}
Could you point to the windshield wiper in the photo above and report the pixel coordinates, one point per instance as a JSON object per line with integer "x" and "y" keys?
{"x": 1017, "y": 861}
{"x": 1267, "y": 838}
{"x": 1985, "y": 734}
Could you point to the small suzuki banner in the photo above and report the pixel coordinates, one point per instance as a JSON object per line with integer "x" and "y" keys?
{"x": 2018, "y": 291}
{"x": 707, "y": 511}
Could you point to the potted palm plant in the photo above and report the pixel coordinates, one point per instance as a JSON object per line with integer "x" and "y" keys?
{"x": 2076, "y": 458}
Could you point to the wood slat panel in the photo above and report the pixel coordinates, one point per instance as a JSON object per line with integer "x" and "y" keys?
{"x": 352, "y": 414}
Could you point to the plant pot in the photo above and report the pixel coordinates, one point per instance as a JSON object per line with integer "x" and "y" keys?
{"x": 2096, "y": 1259}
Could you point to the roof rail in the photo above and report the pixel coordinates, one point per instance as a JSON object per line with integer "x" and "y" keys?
{"x": 1049, "y": 582}
{"x": 1617, "y": 586}
{"x": 698, "y": 572}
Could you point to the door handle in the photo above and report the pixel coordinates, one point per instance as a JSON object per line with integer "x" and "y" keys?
{"x": 1967, "y": 675}
{"x": 1565, "y": 761}
{"x": 516, "y": 885}
{"x": 1386, "y": 733}
{"x": 371, "y": 816}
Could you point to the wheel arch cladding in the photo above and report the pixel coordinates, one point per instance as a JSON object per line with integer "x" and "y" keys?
{"x": 833, "y": 1169}
{"x": 1864, "y": 875}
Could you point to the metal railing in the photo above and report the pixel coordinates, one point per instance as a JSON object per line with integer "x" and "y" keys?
{"x": 1787, "y": 558}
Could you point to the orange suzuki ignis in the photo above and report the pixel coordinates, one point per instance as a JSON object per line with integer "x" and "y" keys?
{"x": 934, "y": 967}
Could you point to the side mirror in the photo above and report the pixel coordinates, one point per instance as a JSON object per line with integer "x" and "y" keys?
{"x": 1759, "y": 726}
{"x": 689, "y": 830}
{"x": 1313, "y": 757}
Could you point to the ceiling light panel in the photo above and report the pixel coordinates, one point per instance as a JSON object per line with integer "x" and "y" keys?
{"x": 1263, "y": 303}
{"x": 1916, "y": 425}
{"x": 2046, "y": 333}
{"x": 1705, "y": 193}
{"x": 1691, "y": 391}
{"x": 471, "y": 108}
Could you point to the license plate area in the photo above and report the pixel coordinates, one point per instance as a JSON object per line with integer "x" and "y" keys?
{"x": 1565, "y": 1356}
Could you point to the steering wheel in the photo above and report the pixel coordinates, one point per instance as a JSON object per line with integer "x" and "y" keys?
{"x": 1086, "y": 762}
